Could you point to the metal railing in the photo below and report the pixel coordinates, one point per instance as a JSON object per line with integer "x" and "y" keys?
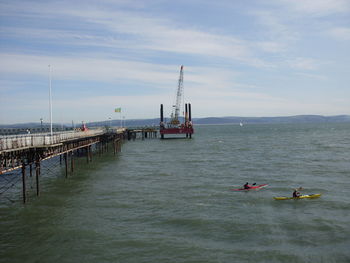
{"x": 12, "y": 142}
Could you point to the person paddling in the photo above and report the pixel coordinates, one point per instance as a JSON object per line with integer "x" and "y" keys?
{"x": 247, "y": 186}
{"x": 296, "y": 193}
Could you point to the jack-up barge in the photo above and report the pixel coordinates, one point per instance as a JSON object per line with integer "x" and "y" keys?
{"x": 175, "y": 127}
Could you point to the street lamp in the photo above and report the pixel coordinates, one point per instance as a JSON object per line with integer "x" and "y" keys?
{"x": 50, "y": 100}
{"x": 41, "y": 124}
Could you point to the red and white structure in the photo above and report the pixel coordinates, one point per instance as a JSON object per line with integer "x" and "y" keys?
{"x": 175, "y": 126}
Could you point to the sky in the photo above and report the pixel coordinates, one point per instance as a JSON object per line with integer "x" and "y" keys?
{"x": 241, "y": 58}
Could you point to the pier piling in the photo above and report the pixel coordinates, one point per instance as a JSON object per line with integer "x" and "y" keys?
{"x": 24, "y": 188}
{"x": 37, "y": 174}
{"x": 66, "y": 163}
{"x": 72, "y": 161}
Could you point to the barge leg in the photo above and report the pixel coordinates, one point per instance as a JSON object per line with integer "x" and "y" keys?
{"x": 161, "y": 119}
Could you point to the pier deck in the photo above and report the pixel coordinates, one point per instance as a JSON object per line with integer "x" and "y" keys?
{"x": 21, "y": 151}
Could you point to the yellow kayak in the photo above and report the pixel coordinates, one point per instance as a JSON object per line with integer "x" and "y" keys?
{"x": 299, "y": 197}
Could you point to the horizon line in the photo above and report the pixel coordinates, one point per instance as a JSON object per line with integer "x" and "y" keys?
{"x": 143, "y": 119}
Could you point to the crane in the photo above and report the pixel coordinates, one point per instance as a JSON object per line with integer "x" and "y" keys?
{"x": 174, "y": 127}
{"x": 176, "y": 111}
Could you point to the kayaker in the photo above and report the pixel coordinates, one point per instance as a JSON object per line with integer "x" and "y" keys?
{"x": 296, "y": 193}
{"x": 247, "y": 186}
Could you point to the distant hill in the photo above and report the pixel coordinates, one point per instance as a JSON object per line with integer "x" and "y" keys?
{"x": 208, "y": 120}
{"x": 32, "y": 125}
{"x": 127, "y": 123}
{"x": 288, "y": 119}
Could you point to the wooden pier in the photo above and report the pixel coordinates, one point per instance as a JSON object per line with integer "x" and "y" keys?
{"x": 145, "y": 132}
{"x": 22, "y": 151}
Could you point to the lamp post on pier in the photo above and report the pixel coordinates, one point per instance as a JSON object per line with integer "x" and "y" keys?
{"x": 50, "y": 100}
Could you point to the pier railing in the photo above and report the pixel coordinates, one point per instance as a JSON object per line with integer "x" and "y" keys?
{"x": 12, "y": 142}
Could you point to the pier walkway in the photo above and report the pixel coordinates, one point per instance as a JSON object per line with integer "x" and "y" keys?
{"x": 17, "y": 142}
{"x": 26, "y": 151}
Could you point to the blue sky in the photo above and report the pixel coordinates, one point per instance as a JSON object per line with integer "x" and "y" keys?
{"x": 241, "y": 58}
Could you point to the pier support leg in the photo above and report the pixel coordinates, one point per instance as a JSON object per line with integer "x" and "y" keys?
{"x": 72, "y": 162}
{"x": 90, "y": 153}
{"x": 24, "y": 190}
{"x": 87, "y": 154}
{"x": 66, "y": 163}
{"x": 30, "y": 170}
{"x": 119, "y": 145}
{"x": 37, "y": 174}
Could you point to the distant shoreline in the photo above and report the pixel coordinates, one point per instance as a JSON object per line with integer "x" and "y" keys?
{"x": 270, "y": 120}
{"x": 203, "y": 121}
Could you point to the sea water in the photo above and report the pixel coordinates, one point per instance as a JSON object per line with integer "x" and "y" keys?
{"x": 170, "y": 200}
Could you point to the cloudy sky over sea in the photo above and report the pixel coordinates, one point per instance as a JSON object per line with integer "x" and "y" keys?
{"x": 241, "y": 58}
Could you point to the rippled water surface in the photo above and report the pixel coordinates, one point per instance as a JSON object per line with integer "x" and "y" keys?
{"x": 170, "y": 201}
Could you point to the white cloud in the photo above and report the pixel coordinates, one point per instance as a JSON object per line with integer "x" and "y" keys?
{"x": 138, "y": 31}
{"x": 318, "y": 7}
{"x": 313, "y": 76}
{"x": 301, "y": 63}
{"x": 197, "y": 78}
{"x": 271, "y": 47}
{"x": 342, "y": 33}
{"x": 277, "y": 27}
{"x": 80, "y": 68}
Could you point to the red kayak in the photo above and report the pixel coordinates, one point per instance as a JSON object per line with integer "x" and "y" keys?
{"x": 251, "y": 188}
